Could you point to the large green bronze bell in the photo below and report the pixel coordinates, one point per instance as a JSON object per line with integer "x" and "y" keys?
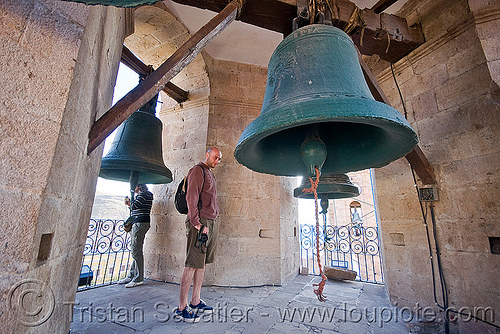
{"x": 318, "y": 112}
{"x": 135, "y": 155}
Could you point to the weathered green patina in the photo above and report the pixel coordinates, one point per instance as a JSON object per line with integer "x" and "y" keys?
{"x": 137, "y": 150}
{"x": 315, "y": 81}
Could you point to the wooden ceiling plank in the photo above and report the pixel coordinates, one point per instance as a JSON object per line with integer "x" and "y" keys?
{"x": 382, "y": 5}
{"x": 390, "y": 37}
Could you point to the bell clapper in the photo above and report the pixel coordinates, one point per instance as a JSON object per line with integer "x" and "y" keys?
{"x": 313, "y": 151}
{"x": 324, "y": 205}
{"x": 134, "y": 180}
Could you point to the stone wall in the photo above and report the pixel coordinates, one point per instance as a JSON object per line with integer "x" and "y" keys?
{"x": 450, "y": 89}
{"x": 58, "y": 63}
{"x": 258, "y": 221}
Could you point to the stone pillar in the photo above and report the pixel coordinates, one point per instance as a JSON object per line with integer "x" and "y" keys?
{"x": 184, "y": 144}
{"x": 487, "y": 19}
{"x": 58, "y": 62}
{"x": 157, "y": 36}
{"x": 450, "y": 90}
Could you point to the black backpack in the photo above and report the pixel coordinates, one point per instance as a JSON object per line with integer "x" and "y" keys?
{"x": 180, "y": 195}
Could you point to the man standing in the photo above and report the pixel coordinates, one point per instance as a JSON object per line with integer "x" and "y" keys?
{"x": 201, "y": 198}
{"x": 140, "y": 209}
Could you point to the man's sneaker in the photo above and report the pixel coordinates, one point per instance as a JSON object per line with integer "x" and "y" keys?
{"x": 133, "y": 284}
{"x": 186, "y": 315}
{"x": 201, "y": 307}
{"x": 125, "y": 280}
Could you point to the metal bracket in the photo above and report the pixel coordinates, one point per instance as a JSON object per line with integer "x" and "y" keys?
{"x": 240, "y": 4}
{"x": 428, "y": 194}
{"x": 303, "y": 17}
{"x": 321, "y": 13}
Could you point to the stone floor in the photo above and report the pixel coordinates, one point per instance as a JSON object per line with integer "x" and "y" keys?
{"x": 352, "y": 307}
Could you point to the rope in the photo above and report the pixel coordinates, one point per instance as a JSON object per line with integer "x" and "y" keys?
{"x": 312, "y": 11}
{"x": 354, "y": 21}
{"x": 388, "y": 41}
{"x": 313, "y": 189}
{"x": 335, "y": 14}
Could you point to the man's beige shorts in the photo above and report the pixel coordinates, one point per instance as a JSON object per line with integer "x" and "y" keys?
{"x": 195, "y": 258}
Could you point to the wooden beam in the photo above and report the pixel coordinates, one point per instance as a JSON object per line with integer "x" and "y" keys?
{"x": 416, "y": 158}
{"x": 388, "y": 36}
{"x": 421, "y": 166}
{"x": 275, "y": 15}
{"x": 175, "y": 92}
{"x": 382, "y": 5}
{"x": 375, "y": 89}
{"x": 135, "y": 64}
{"x": 157, "y": 80}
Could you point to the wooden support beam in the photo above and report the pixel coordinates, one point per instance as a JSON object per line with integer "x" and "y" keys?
{"x": 175, "y": 92}
{"x": 275, "y": 15}
{"x": 421, "y": 166}
{"x": 386, "y": 35}
{"x": 135, "y": 64}
{"x": 157, "y": 80}
{"x": 416, "y": 158}
{"x": 382, "y": 5}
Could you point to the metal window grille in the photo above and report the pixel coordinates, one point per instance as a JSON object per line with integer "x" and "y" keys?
{"x": 106, "y": 256}
{"x": 354, "y": 248}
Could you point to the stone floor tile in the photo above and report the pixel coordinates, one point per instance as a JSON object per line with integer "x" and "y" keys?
{"x": 352, "y": 307}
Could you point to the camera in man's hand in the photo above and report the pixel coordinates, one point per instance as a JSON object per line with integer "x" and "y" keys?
{"x": 201, "y": 239}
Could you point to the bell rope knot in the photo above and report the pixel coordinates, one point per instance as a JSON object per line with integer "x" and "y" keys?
{"x": 319, "y": 290}
{"x": 314, "y": 185}
{"x": 313, "y": 189}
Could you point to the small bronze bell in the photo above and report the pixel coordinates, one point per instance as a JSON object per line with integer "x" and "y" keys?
{"x": 333, "y": 186}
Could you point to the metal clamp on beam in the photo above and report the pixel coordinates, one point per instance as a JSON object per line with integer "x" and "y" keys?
{"x": 312, "y": 12}
{"x": 240, "y": 4}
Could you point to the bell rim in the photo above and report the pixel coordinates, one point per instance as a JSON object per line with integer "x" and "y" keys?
{"x": 332, "y": 191}
{"x": 297, "y": 113}
{"x": 111, "y": 168}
